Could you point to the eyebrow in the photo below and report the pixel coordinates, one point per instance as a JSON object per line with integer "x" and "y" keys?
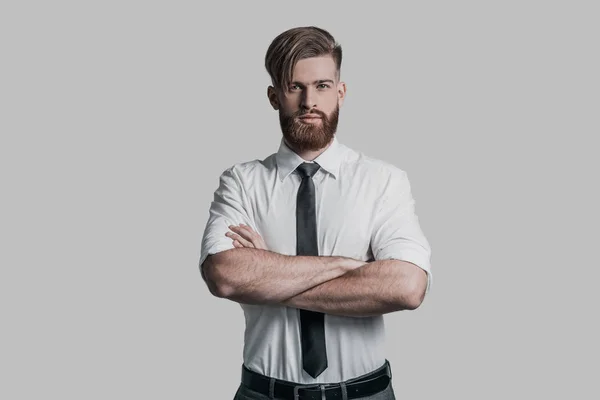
{"x": 315, "y": 82}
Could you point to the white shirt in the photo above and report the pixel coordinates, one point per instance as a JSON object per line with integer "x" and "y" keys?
{"x": 365, "y": 210}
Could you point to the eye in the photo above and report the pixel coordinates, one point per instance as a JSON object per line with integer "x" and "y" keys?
{"x": 294, "y": 87}
{"x": 323, "y": 86}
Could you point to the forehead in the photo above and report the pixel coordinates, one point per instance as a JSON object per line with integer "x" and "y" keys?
{"x": 310, "y": 69}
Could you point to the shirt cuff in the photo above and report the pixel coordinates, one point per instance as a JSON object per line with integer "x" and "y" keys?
{"x": 214, "y": 249}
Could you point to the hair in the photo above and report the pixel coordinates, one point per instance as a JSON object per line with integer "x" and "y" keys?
{"x": 296, "y": 44}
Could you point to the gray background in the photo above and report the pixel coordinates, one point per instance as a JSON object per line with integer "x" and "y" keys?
{"x": 117, "y": 119}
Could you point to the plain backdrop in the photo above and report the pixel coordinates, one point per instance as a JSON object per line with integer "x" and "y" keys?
{"x": 117, "y": 118}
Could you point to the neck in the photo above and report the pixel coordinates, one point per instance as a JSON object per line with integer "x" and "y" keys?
{"x": 309, "y": 155}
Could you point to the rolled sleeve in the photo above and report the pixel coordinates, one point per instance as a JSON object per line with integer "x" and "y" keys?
{"x": 397, "y": 233}
{"x": 227, "y": 208}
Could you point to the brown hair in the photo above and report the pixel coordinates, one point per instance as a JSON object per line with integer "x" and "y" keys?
{"x": 296, "y": 44}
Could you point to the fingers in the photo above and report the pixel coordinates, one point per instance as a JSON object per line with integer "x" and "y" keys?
{"x": 245, "y": 231}
{"x": 246, "y": 236}
{"x": 256, "y": 239}
{"x": 241, "y": 240}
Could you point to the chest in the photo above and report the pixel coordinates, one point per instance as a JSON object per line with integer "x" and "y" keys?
{"x": 344, "y": 215}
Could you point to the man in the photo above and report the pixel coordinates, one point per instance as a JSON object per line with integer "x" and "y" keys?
{"x": 316, "y": 242}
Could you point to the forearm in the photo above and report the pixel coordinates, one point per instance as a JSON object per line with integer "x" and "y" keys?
{"x": 255, "y": 276}
{"x": 376, "y": 288}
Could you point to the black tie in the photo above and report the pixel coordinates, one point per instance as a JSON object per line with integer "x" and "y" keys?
{"x": 312, "y": 327}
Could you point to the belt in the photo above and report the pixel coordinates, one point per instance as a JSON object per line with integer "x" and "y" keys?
{"x": 362, "y": 386}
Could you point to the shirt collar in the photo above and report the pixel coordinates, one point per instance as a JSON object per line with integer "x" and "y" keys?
{"x": 329, "y": 160}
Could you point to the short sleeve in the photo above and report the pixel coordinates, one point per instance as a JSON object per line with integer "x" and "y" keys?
{"x": 227, "y": 208}
{"x": 397, "y": 233}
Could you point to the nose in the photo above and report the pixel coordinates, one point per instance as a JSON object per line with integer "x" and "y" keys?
{"x": 309, "y": 99}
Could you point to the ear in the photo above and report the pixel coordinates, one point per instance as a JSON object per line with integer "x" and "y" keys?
{"x": 341, "y": 87}
{"x": 272, "y": 96}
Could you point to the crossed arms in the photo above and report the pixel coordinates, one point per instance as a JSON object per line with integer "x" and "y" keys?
{"x": 250, "y": 273}
{"x": 334, "y": 285}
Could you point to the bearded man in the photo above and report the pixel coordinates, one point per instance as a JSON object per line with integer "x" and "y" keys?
{"x": 316, "y": 242}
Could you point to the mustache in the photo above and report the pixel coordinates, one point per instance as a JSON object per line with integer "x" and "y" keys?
{"x": 311, "y": 112}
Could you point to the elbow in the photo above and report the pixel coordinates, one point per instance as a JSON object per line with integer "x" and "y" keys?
{"x": 413, "y": 296}
{"x": 414, "y": 300}
{"x": 222, "y": 291}
{"x": 217, "y": 282}
{"x": 219, "y": 288}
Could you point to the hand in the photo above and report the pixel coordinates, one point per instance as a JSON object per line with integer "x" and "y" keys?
{"x": 244, "y": 236}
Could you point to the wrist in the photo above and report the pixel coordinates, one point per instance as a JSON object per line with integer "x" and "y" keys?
{"x": 350, "y": 264}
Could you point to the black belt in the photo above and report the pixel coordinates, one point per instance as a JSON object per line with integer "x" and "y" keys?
{"x": 362, "y": 386}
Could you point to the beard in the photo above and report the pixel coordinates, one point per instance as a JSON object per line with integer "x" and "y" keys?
{"x": 302, "y": 136}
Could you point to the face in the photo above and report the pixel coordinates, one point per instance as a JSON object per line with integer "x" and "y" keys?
{"x": 309, "y": 108}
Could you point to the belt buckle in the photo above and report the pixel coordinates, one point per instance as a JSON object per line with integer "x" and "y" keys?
{"x": 298, "y": 387}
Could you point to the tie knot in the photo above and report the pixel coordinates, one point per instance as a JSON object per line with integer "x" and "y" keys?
{"x": 308, "y": 169}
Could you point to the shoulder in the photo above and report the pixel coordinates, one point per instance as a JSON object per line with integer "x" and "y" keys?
{"x": 367, "y": 166}
{"x": 244, "y": 170}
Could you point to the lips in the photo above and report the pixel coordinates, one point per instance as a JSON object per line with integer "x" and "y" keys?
{"x": 309, "y": 116}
